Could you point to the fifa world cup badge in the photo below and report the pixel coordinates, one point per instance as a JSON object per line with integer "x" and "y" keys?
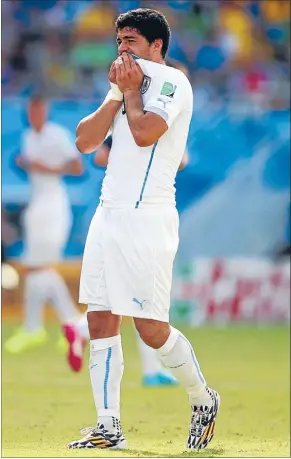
{"x": 168, "y": 89}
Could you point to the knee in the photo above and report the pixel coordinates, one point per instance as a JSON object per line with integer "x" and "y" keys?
{"x": 153, "y": 332}
{"x": 103, "y": 324}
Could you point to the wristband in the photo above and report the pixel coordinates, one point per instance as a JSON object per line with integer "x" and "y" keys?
{"x": 114, "y": 93}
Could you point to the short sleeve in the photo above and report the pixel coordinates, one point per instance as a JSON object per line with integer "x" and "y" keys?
{"x": 167, "y": 99}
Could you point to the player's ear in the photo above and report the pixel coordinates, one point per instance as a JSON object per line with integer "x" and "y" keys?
{"x": 158, "y": 44}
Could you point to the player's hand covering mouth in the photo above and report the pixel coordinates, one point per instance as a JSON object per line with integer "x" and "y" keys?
{"x": 129, "y": 75}
{"x": 127, "y": 52}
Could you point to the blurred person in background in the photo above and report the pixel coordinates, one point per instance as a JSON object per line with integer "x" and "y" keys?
{"x": 133, "y": 237}
{"x": 9, "y": 275}
{"x": 154, "y": 374}
{"x": 47, "y": 154}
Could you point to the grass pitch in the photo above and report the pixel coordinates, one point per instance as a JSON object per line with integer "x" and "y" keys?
{"x": 44, "y": 403}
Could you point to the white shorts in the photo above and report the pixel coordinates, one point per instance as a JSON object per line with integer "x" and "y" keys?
{"x": 128, "y": 261}
{"x": 46, "y": 232}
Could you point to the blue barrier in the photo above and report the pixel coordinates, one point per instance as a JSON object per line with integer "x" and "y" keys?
{"x": 219, "y": 142}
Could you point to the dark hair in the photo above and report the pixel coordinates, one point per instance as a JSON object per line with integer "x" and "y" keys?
{"x": 151, "y": 24}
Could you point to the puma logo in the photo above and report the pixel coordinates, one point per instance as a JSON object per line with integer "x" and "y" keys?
{"x": 165, "y": 102}
{"x": 140, "y": 303}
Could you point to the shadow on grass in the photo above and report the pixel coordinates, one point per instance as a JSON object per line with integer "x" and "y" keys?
{"x": 209, "y": 452}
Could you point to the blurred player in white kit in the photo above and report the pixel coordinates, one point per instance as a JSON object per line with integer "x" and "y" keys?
{"x": 47, "y": 154}
{"x": 133, "y": 237}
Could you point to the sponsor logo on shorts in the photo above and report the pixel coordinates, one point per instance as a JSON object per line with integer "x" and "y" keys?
{"x": 140, "y": 303}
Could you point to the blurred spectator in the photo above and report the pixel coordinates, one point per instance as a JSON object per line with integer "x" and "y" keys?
{"x": 66, "y": 47}
{"x": 210, "y": 56}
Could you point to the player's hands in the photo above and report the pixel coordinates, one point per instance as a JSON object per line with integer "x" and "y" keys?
{"x": 20, "y": 161}
{"x": 38, "y": 166}
{"x": 129, "y": 75}
{"x": 112, "y": 73}
{"x": 32, "y": 166}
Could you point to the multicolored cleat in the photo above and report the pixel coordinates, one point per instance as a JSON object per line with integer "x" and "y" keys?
{"x": 203, "y": 422}
{"x": 77, "y": 346}
{"x": 23, "y": 341}
{"x": 99, "y": 437}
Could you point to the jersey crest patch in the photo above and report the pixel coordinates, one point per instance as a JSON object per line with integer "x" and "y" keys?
{"x": 168, "y": 89}
{"x": 145, "y": 84}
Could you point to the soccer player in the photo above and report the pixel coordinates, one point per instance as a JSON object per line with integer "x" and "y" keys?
{"x": 47, "y": 154}
{"x": 133, "y": 237}
{"x": 154, "y": 374}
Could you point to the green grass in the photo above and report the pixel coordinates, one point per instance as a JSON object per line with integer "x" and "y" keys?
{"x": 44, "y": 404}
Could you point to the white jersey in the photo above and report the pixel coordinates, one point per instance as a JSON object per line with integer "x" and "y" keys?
{"x": 146, "y": 175}
{"x": 54, "y": 147}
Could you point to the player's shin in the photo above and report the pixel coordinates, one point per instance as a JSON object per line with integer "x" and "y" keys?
{"x": 106, "y": 370}
{"x": 154, "y": 373}
{"x": 178, "y": 356}
{"x": 32, "y": 334}
{"x": 150, "y": 362}
{"x": 34, "y": 298}
{"x": 82, "y": 327}
{"x": 61, "y": 298}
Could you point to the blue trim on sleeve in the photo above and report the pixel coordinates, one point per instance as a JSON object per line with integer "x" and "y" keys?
{"x": 146, "y": 175}
{"x": 106, "y": 377}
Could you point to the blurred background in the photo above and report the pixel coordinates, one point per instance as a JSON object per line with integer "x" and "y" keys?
{"x": 233, "y": 198}
{"x": 231, "y": 285}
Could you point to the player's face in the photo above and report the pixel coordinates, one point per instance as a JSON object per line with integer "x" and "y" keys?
{"x": 37, "y": 114}
{"x": 131, "y": 41}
